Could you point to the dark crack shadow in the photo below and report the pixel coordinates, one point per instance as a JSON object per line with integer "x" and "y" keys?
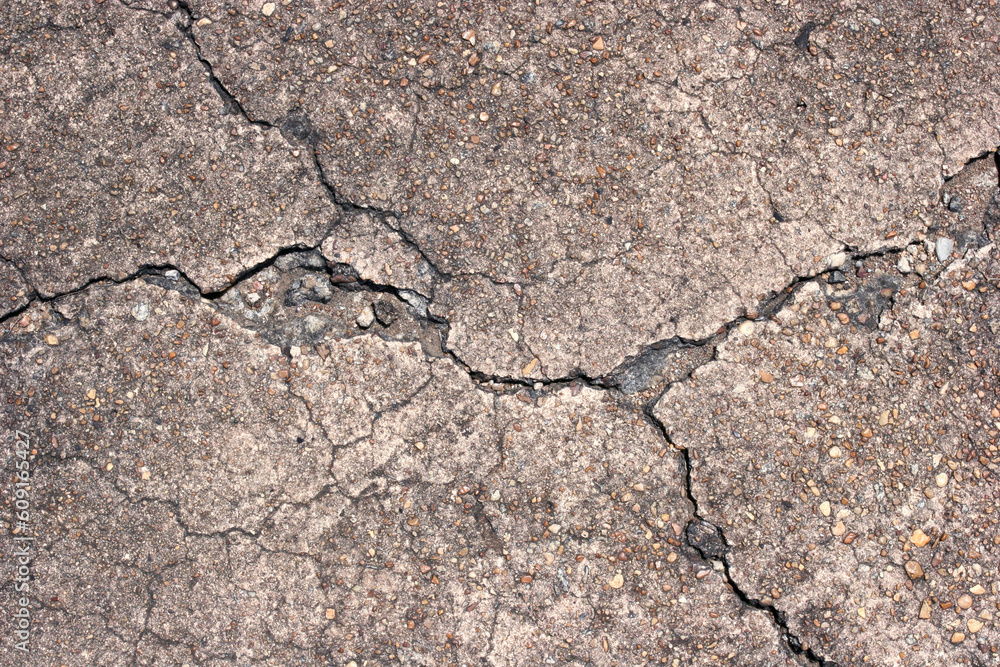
{"x": 232, "y": 104}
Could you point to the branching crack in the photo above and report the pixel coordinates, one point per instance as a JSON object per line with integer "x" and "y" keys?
{"x": 715, "y": 547}
{"x": 706, "y": 538}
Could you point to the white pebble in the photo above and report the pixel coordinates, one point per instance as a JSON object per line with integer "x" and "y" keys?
{"x": 943, "y": 248}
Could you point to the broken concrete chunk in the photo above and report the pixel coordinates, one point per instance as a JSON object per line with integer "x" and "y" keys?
{"x": 310, "y": 287}
{"x": 417, "y": 302}
{"x": 836, "y": 277}
{"x": 366, "y": 317}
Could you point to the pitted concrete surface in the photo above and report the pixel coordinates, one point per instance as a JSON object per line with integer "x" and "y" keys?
{"x": 500, "y": 334}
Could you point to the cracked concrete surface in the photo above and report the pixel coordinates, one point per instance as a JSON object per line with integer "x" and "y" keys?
{"x": 502, "y": 334}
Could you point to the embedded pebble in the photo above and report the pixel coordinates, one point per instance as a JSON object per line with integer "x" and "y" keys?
{"x": 943, "y": 248}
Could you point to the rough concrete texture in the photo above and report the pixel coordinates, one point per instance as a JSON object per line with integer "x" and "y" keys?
{"x": 501, "y": 334}
{"x": 847, "y": 448}
{"x": 589, "y": 169}
{"x": 334, "y": 503}
{"x": 121, "y": 154}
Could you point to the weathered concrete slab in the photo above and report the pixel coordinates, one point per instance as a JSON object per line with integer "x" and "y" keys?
{"x": 611, "y": 162}
{"x": 851, "y": 464}
{"x": 242, "y": 504}
{"x": 500, "y": 334}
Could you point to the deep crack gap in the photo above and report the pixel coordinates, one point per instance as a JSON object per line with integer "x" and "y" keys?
{"x": 777, "y": 617}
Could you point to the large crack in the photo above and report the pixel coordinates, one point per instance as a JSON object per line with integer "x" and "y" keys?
{"x": 698, "y": 525}
{"x": 717, "y": 552}
{"x": 710, "y": 542}
{"x": 37, "y": 297}
{"x": 230, "y": 100}
{"x": 610, "y": 382}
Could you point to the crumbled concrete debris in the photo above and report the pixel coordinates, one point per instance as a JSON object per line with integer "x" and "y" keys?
{"x": 367, "y": 317}
{"x": 659, "y": 366}
{"x": 384, "y": 312}
{"x": 310, "y": 287}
